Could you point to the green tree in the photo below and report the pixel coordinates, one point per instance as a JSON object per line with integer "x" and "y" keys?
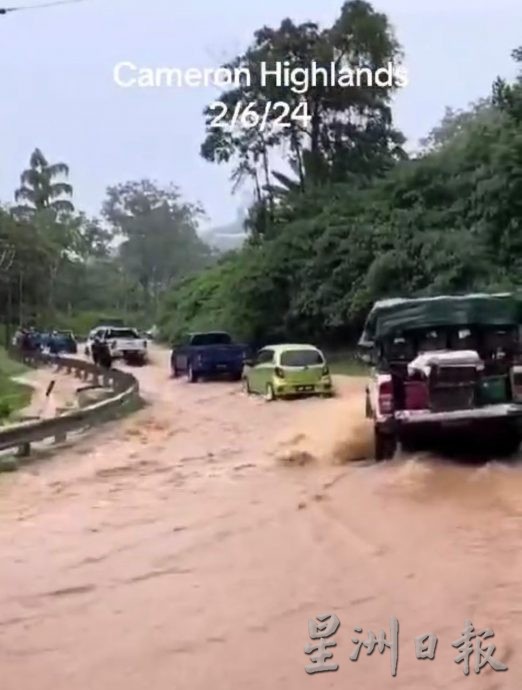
{"x": 158, "y": 229}
{"x": 348, "y": 129}
{"x": 40, "y": 189}
{"x": 449, "y": 220}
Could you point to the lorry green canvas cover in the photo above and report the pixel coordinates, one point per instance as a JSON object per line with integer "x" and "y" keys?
{"x": 399, "y": 315}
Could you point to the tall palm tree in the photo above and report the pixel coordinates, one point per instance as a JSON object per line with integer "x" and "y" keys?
{"x": 38, "y": 188}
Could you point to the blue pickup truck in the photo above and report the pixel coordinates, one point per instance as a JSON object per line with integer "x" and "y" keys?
{"x": 202, "y": 355}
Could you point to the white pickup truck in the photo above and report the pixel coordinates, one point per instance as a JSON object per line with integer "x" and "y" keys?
{"x": 124, "y": 343}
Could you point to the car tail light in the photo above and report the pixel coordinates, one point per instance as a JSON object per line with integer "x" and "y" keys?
{"x": 386, "y": 397}
{"x": 279, "y": 372}
{"x": 326, "y": 371}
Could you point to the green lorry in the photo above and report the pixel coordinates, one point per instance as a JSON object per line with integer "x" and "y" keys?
{"x": 448, "y": 365}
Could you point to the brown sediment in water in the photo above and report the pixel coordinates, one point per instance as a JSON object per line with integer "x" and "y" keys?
{"x": 335, "y": 431}
{"x": 193, "y": 560}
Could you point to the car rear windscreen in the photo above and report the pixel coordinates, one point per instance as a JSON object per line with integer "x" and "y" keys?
{"x": 122, "y": 333}
{"x": 301, "y": 358}
{"x": 211, "y": 339}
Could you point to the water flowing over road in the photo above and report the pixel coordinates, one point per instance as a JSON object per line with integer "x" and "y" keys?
{"x": 186, "y": 547}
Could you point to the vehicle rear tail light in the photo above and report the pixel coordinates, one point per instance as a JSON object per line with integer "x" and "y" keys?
{"x": 279, "y": 372}
{"x": 326, "y": 371}
{"x": 386, "y": 397}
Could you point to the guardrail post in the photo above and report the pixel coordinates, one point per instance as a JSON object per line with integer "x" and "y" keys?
{"x": 60, "y": 437}
{"x": 24, "y": 450}
{"x": 125, "y": 389}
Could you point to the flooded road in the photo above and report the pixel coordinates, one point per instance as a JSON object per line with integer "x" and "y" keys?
{"x": 186, "y": 547}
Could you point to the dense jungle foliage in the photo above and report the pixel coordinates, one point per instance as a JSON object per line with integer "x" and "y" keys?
{"x": 356, "y": 219}
{"x": 61, "y": 269}
{"x": 341, "y": 215}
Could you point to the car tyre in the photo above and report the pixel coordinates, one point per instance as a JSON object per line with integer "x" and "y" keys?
{"x": 409, "y": 446}
{"x": 191, "y": 376}
{"x": 174, "y": 373}
{"x": 246, "y": 385}
{"x": 385, "y": 445}
{"x": 269, "y": 393}
{"x": 510, "y": 443}
{"x": 368, "y": 411}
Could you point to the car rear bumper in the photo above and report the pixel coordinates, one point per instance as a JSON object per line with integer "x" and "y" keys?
{"x": 295, "y": 390}
{"x": 488, "y": 412}
{"x": 479, "y": 420}
{"x": 217, "y": 368}
{"x": 136, "y": 354}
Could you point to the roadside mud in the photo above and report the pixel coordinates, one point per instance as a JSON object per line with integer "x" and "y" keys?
{"x": 177, "y": 549}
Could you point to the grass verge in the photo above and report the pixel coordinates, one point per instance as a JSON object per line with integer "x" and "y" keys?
{"x": 13, "y": 395}
{"x": 346, "y": 364}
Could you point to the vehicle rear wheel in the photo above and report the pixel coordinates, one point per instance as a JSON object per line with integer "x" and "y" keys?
{"x": 269, "y": 393}
{"x": 368, "y": 407}
{"x": 409, "y": 444}
{"x": 191, "y": 376}
{"x": 246, "y": 385}
{"x": 174, "y": 373}
{"x": 385, "y": 445}
{"x": 509, "y": 443}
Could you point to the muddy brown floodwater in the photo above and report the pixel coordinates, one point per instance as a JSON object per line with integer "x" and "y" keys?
{"x": 186, "y": 547}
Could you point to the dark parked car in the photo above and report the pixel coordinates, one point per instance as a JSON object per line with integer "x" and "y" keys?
{"x": 208, "y": 354}
{"x": 62, "y": 341}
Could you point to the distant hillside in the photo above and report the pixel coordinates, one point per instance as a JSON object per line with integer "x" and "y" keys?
{"x": 226, "y": 237}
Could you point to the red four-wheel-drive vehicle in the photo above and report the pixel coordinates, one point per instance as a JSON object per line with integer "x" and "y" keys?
{"x": 449, "y": 365}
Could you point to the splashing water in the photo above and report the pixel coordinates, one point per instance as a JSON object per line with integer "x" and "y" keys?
{"x": 331, "y": 431}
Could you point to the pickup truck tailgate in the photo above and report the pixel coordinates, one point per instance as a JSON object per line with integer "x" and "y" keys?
{"x": 221, "y": 355}
{"x": 125, "y": 345}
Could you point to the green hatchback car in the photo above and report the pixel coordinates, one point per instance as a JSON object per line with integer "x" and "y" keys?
{"x": 283, "y": 371}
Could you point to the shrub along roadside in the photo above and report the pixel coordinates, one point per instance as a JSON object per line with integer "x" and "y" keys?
{"x": 446, "y": 222}
{"x": 13, "y": 395}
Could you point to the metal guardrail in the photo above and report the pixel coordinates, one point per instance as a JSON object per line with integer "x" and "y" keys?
{"x": 124, "y": 385}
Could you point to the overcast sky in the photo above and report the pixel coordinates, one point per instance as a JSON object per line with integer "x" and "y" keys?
{"x": 58, "y": 92}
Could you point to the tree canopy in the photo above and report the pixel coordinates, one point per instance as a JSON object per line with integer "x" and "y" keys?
{"x": 60, "y": 267}
{"x": 341, "y": 216}
{"x": 372, "y": 223}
